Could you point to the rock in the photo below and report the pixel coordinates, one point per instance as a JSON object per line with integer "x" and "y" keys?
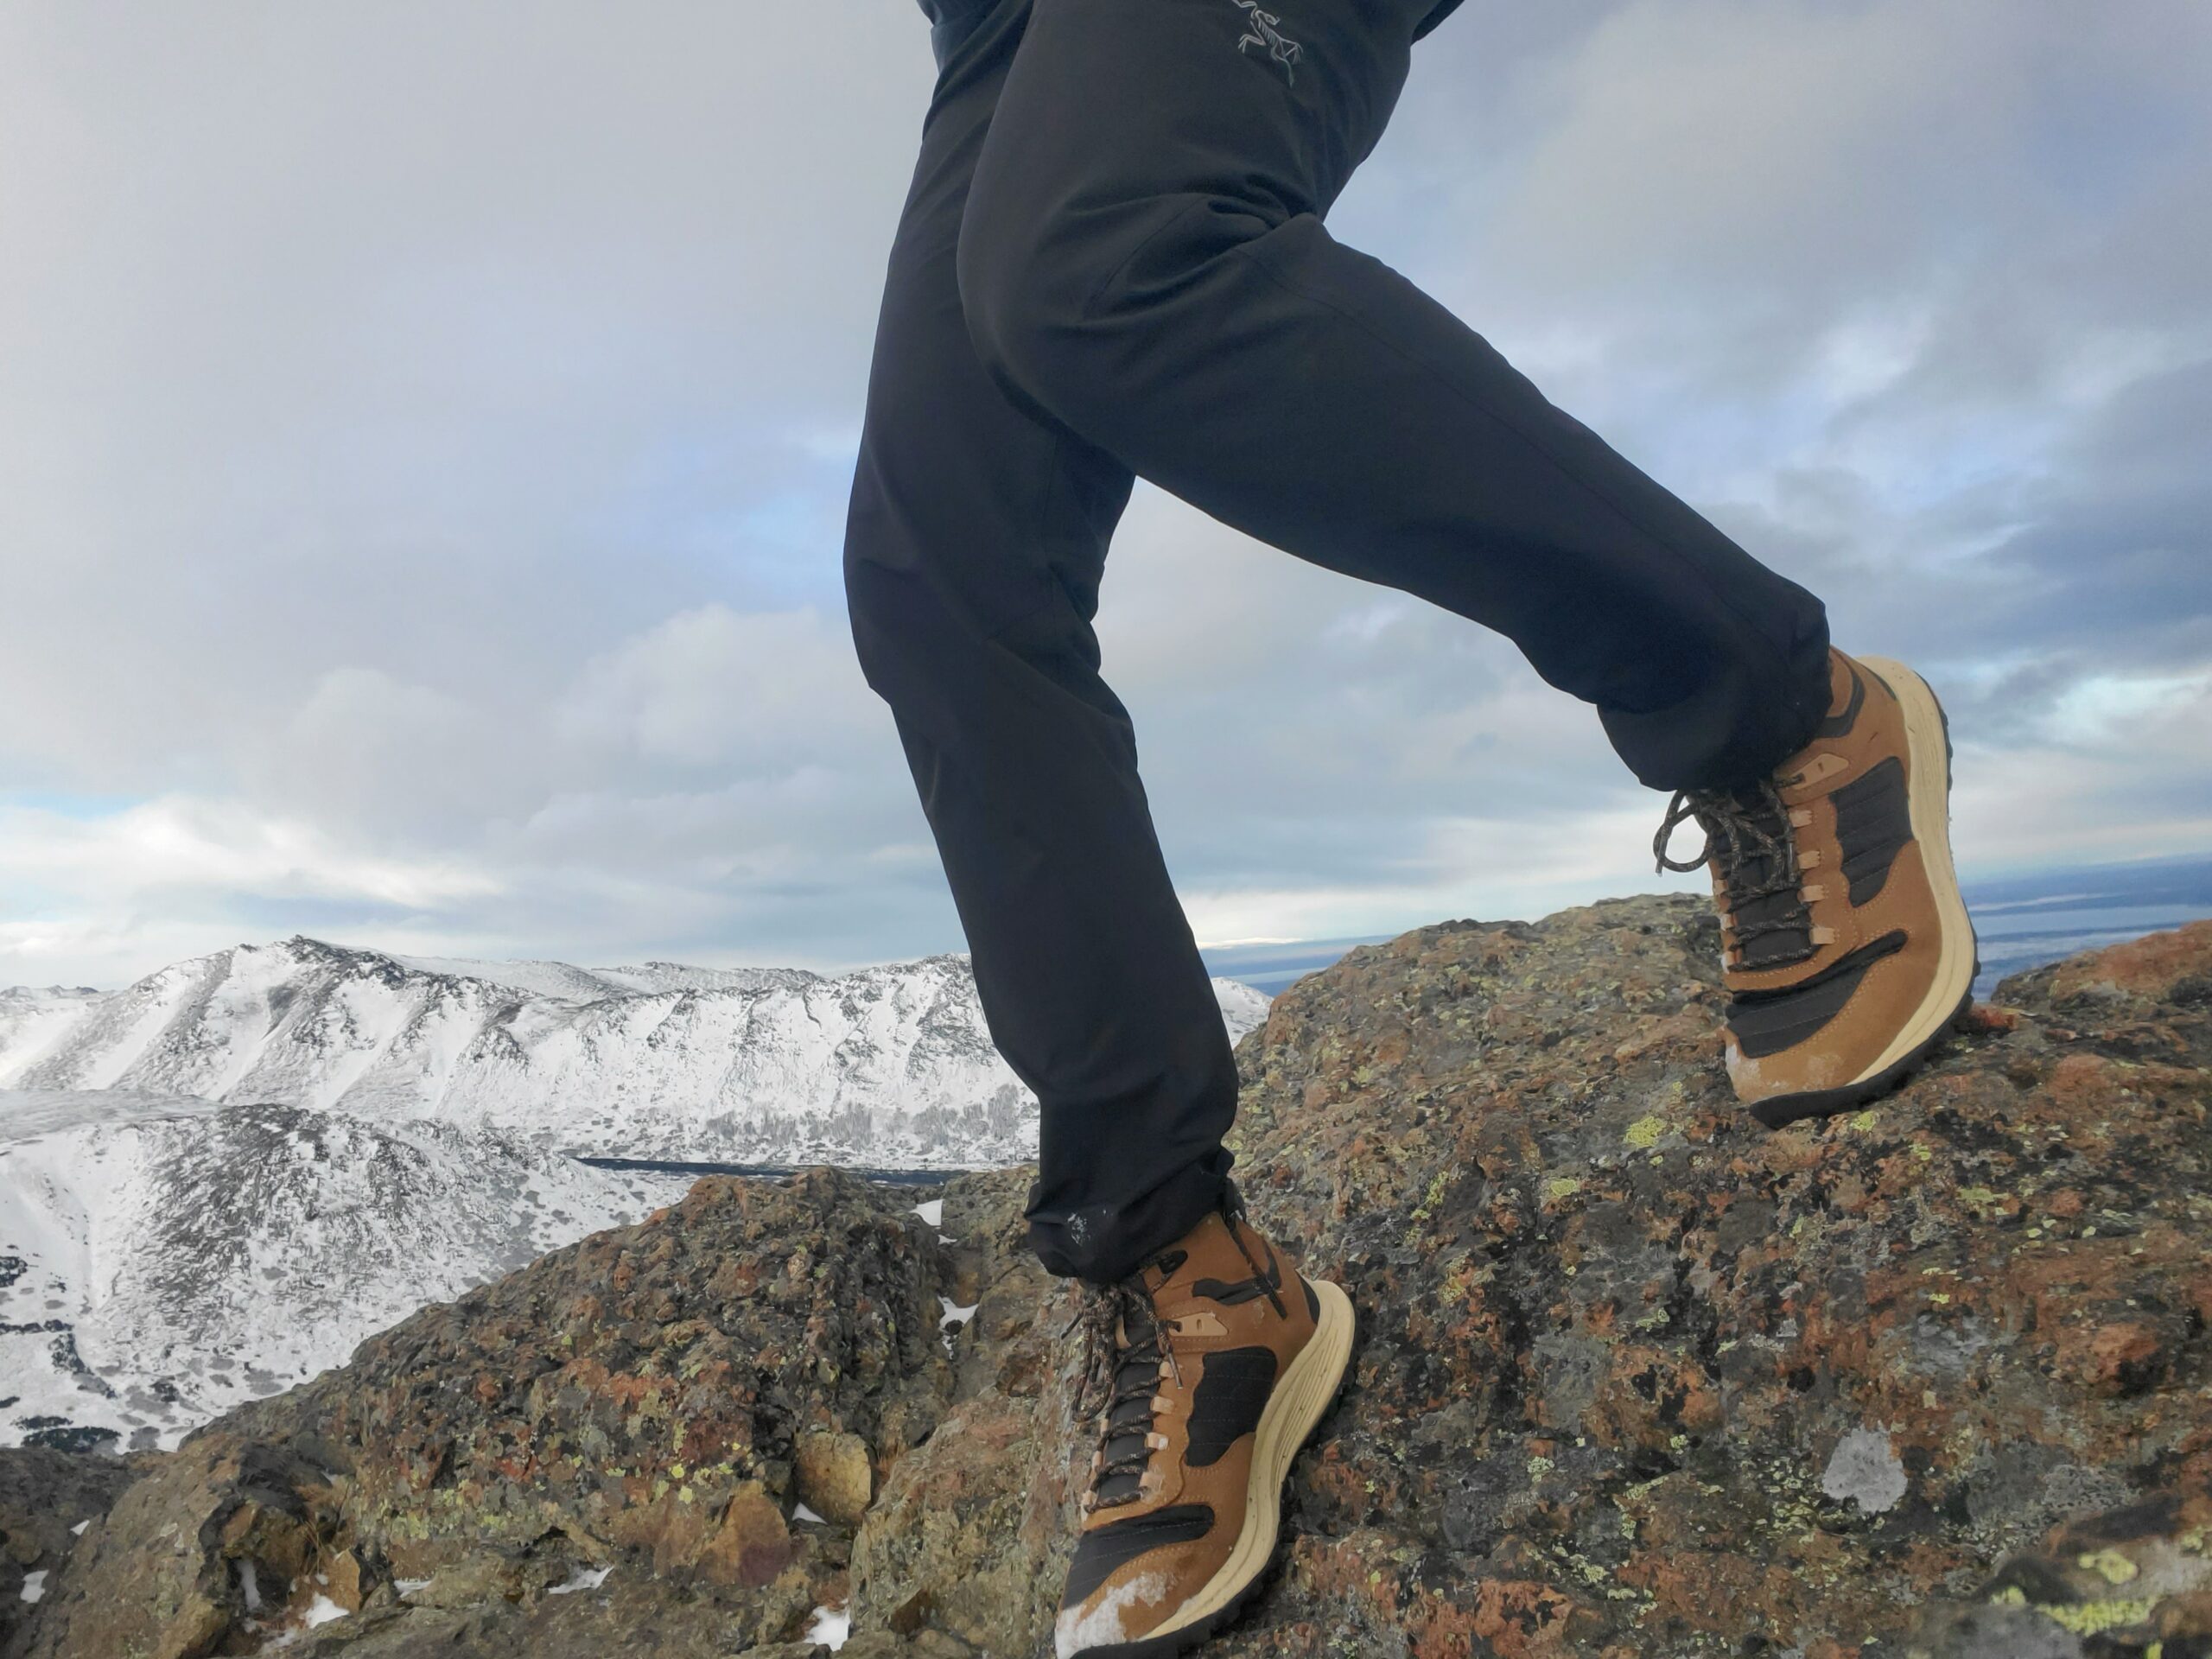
{"x": 1636, "y": 1379}
{"x": 49, "y": 1499}
{"x": 633, "y": 1403}
{"x": 222, "y": 1530}
{"x": 2129, "y": 1580}
{"x": 638, "y": 1615}
{"x": 936, "y": 1644}
{"x": 836, "y": 1478}
{"x": 963, "y": 1535}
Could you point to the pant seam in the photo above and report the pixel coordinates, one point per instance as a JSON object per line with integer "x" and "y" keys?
{"x": 1528, "y": 438}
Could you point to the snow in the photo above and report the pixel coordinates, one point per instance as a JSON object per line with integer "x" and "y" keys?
{"x": 955, "y": 1315}
{"x": 800, "y": 1512}
{"x": 78, "y": 1531}
{"x": 932, "y": 1212}
{"x": 34, "y": 1019}
{"x": 322, "y": 1611}
{"x": 34, "y": 1586}
{"x": 830, "y": 1627}
{"x": 584, "y": 1578}
{"x": 168, "y": 1268}
{"x": 410, "y": 1586}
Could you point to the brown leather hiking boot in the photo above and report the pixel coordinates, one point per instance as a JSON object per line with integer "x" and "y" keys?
{"x": 1846, "y": 947}
{"x": 1212, "y": 1362}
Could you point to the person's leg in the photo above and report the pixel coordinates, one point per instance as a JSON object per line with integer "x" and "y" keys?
{"x": 1143, "y": 258}
{"x": 976, "y": 538}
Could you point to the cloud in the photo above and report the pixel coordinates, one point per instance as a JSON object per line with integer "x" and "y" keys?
{"x": 427, "y": 436}
{"x": 182, "y": 846}
{"x": 713, "y": 687}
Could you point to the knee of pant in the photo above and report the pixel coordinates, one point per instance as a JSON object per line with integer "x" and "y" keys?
{"x": 878, "y": 618}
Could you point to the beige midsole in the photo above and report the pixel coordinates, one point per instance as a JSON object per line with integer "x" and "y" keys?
{"x": 1930, "y": 805}
{"x": 1289, "y": 1417}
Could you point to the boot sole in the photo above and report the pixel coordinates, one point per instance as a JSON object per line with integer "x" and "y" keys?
{"x": 1308, "y": 1389}
{"x": 1928, "y": 735}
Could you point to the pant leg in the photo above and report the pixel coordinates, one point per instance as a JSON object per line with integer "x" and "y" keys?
{"x": 976, "y": 538}
{"x": 1142, "y": 257}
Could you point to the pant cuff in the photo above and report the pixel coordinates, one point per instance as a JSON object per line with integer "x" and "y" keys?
{"x": 1106, "y": 1242}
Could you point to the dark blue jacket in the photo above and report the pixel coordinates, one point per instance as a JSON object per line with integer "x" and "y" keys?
{"x": 951, "y": 20}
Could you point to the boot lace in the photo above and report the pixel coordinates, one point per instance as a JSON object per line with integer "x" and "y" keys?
{"x": 1124, "y": 1345}
{"x": 1748, "y": 840}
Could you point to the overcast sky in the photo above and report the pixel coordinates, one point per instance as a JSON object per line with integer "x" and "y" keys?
{"x": 425, "y": 433}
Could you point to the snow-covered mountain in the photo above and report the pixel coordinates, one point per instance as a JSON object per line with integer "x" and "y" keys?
{"x": 159, "y": 1267}
{"x": 886, "y": 1065}
{"x": 34, "y": 1018}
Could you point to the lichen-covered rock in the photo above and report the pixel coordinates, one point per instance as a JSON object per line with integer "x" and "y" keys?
{"x": 626, "y": 1389}
{"x": 633, "y": 1404}
{"x": 223, "y": 1532}
{"x": 966, "y": 1536}
{"x": 836, "y": 1475}
{"x": 1636, "y": 1377}
{"x": 48, "y": 1500}
{"x": 2131, "y": 1580}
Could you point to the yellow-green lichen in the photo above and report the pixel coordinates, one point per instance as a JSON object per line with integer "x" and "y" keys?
{"x": 1644, "y": 1133}
{"x": 1434, "y": 1196}
{"x": 2095, "y": 1618}
{"x": 1562, "y": 1186}
{"x": 2110, "y": 1566}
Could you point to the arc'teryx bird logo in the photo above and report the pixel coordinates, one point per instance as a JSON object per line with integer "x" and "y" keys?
{"x": 1263, "y": 32}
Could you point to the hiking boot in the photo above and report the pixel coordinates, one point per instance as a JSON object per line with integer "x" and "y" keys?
{"x": 1846, "y": 949}
{"x": 1211, "y": 1363}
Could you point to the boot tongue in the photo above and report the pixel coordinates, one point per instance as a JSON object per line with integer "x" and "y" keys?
{"x": 1760, "y": 918}
{"x": 1130, "y": 1422}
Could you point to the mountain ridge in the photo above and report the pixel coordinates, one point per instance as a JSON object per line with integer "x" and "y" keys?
{"x": 887, "y": 1065}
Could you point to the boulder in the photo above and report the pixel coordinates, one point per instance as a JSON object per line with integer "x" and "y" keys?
{"x": 1638, "y": 1377}
{"x": 224, "y": 1537}
{"x": 631, "y": 1406}
{"x": 48, "y": 1500}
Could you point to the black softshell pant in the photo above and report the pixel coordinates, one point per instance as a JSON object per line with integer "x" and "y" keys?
{"x": 1112, "y": 261}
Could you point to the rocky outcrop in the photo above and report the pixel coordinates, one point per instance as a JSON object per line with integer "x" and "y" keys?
{"x": 638, "y": 1407}
{"x": 48, "y": 1500}
{"x": 1635, "y": 1377}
